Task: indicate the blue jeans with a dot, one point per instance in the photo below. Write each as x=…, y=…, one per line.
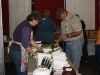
x=16, y=57
x=73, y=51
x=98, y=52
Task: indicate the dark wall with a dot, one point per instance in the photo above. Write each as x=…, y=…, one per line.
x=41, y=5
x=51, y=5
x=5, y=16
x=97, y=24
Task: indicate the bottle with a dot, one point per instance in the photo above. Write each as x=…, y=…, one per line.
x=67, y=69
x=47, y=62
x=44, y=65
x=49, y=65
x=47, y=59
x=66, y=66
x=43, y=60
x=52, y=72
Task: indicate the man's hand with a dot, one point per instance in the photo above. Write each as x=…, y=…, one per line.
x=56, y=44
x=64, y=37
x=39, y=48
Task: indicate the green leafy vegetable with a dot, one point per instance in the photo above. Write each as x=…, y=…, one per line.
x=49, y=45
x=40, y=51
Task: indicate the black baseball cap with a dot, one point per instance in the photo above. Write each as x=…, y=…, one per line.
x=59, y=12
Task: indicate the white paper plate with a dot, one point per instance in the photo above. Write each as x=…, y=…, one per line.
x=37, y=41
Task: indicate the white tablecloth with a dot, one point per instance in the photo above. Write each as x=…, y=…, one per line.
x=32, y=66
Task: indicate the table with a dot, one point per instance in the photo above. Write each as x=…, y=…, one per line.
x=32, y=65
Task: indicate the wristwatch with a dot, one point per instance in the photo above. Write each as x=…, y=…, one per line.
x=67, y=35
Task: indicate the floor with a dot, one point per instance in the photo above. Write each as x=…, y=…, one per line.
x=86, y=68
x=91, y=67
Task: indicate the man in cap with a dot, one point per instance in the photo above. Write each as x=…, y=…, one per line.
x=72, y=34
x=45, y=29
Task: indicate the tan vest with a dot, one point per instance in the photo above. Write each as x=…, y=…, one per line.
x=98, y=37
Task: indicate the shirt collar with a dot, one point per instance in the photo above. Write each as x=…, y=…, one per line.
x=68, y=16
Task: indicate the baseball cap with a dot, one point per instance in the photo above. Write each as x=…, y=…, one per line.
x=59, y=12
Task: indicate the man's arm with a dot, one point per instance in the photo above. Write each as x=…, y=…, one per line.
x=73, y=34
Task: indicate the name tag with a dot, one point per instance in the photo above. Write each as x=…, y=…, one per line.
x=66, y=24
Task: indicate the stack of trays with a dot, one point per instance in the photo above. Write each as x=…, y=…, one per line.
x=57, y=50
x=59, y=60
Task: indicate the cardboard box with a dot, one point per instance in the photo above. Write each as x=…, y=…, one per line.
x=87, y=33
x=93, y=34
